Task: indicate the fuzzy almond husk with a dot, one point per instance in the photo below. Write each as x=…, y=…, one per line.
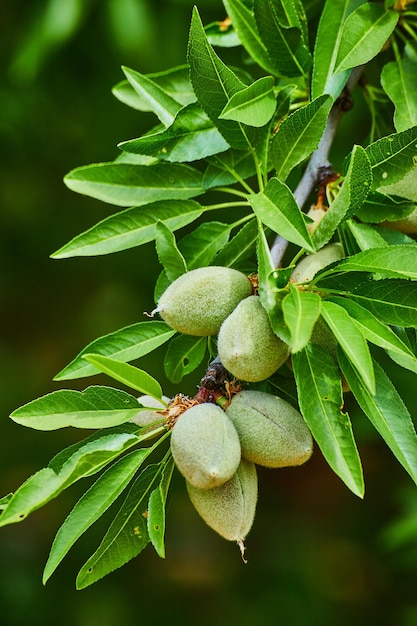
x=305, y=270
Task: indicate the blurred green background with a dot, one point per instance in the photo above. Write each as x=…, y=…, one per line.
x=317, y=555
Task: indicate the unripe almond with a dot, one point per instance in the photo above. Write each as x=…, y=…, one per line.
x=407, y=225
x=305, y=270
x=247, y=346
x=199, y=301
x=205, y=446
x=144, y=418
x=229, y=509
x=272, y=433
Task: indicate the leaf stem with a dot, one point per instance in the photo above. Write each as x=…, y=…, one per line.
x=225, y=205
x=234, y=192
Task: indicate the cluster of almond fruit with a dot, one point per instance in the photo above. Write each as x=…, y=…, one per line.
x=216, y=447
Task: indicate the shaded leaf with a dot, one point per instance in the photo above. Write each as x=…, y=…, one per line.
x=393, y=301
x=157, y=509
x=183, y=356
x=365, y=236
x=379, y=207
x=398, y=79
x=200, y=246
x=239, y=248
x=393, y=157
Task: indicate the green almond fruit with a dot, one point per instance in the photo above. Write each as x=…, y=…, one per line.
x=272, y=433
x=205, y=446
x=247, y=346
x=306, y=269
x=229, y=509
x=199, y=301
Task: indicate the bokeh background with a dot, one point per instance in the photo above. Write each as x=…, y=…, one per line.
x=317, y=555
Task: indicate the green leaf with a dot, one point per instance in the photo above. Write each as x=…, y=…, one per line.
x=244, y=24
x=200, y=247
x=227, y=168
x=91, y=506
x=69, y=466
x=130, y=228
x=351, y=340
x=4, y=501
x=175, y=82
x=214, y=84
x=126, y=374
x=301, y=310
x=320, y=398
x=365, y=236
x=127, y=535
x=281, y=32
x=388, y=414
x=350, y=198
x=364, y=33
x=126, y=344
x=157, y=510
x=254, y=105
x=379, y=207
x=183, y=356
x=158, y=101
x=390, y=261
x=392, y=301
x=190, y=137
x=124, y=184
x=95, y=407
x=393, y=157
x=239, y=248
x=326, y=47
x=168, y=254
x=398, y=79
x=277, y=208
x=299, y=135
x=220, y=34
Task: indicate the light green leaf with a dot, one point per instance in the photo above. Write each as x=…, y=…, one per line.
x=200, y=247
x=298, y=135
x=326, y=47
x=277, y=208
x=126, y=374
x=281, y=32
x=254, y=105
x=350, y=198
x=364, y=33
x=387, y=412
x=158, y=101
x=191, y=137
x=183, y=356
x=168, y=254
x=95, y=407
x=393, y=157
x=157, y=510
x=320, y=398
x=227, y=168
x=392, y=301
x=244, y=24
x=127, y=535
x=79, y=461
x=126, y=344
x=379, y=207
x=239, y=248
x=351, y=340
x=91, y=506
x=398, y=79
x=4, y=501
x=389, y=261
x=124, y=184
x=130, y=228
x=301, y=310
x=365, y=236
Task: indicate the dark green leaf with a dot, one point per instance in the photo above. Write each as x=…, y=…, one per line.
x=239, y=248
x=390, y=261
x=254, y=105
x=398, y=80
x=379, y=207
x=320, y=398
x=126, y=374
x=227, y=168
x=157, y=510
x=392, y=301
x=183, y=356
x=200, y=246
x=301, y=310
x=393, y=157
x=168, y=254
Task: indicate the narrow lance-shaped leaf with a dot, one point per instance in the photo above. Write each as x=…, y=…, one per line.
x=157, y=99
x=389, y=261
x=320, y=398
x=126, y=344
x=239, y=248
x=130, y=228
x=95, y=407
x=301, y=310
x=393, y=157
x=127, y=535
x=329, y=34
x=350, y=198
x=365, y=236
x=298, y=135
x=364, y=33
x=254, y=105
x=168, y=254
x=398, y=80
x=379, y=207
x=387, y=412
x=277, y=208
x=157, y=510
x=79, y=461
x=351, y=340
x=183, y=356
x=200, y=247
x=126, y=374
x=392, y=301
x=124, y=184
x=91, y=506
